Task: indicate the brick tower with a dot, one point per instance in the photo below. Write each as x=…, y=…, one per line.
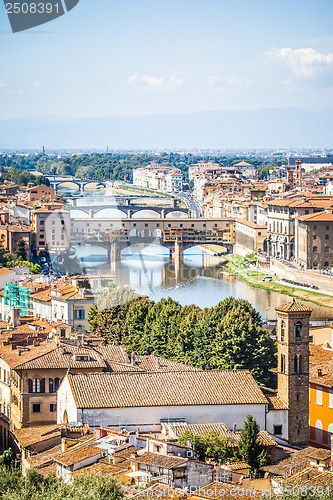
x=298, y=169
x=293, y=367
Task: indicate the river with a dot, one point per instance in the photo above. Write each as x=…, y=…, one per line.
x=197, y=279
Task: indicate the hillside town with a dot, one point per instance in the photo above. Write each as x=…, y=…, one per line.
x=73, y=404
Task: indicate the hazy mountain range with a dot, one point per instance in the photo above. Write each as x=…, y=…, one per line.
x=257, y=128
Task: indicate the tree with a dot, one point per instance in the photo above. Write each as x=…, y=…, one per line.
x=115, y=295
x=7, y=458
x=250, y=449
x=20, y=250
x=240, y=341
x=84, y=284
x=211, y=445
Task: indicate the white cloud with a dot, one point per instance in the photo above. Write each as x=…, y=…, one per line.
x=153, y=82
x=229, y=83
x=15, y=91
x=36, y=85
x=2, y=85
x=303, y=63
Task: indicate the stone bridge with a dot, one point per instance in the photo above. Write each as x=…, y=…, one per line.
x=130, y=210
x=79, y=182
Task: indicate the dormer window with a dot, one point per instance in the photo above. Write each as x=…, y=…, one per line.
x=81, y=357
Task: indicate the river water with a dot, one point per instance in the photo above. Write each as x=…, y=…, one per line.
x=196, y=279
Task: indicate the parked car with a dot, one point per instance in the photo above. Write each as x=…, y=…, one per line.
x=267, y=278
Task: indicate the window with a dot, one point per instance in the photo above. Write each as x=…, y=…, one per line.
x=53, y=407
x=327, y=249
x=326, y=264
x=36, y=408
x=51, y=389
x=79, y=314
x=327, y=236
x=330, y=399
x=283, y=363
x=319, y=396
x=277, y=430
x=327, y=227
x=62, y=332
x=298, y=329
x=314, y=227
x=314, y=237
x=259, y=233
x=314, y=249
x=298, y=363
x=57, y=382
x=37, y=385
x=319, y=431
x=283, y=329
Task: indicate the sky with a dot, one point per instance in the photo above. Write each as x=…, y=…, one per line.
x=131, y=57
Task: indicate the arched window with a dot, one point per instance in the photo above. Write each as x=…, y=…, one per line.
x=30, y=384
x=298, y=363
x=56, y=384
x=283, y=329
x=38, y=385
x=314, y=249
x=283, y=363
x=319, y=431
x=298, y=328
x=330, y=433
x=51, y=385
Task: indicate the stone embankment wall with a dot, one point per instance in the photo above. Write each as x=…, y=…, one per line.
x=308, y=277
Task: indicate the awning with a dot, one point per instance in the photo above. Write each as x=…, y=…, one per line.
x=138, y=473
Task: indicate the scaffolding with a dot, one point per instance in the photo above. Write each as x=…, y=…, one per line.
x=16, y=295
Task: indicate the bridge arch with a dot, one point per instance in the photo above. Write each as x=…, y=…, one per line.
x=177, y=214
x=110, y=213
x=152, y=214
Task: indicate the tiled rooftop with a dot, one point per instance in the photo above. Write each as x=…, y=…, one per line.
x=32, y=435
x=113, y=390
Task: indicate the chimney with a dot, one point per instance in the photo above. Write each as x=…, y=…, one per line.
x=133, y=359
x=63, y=445
x=234, y=427
x=319, y=372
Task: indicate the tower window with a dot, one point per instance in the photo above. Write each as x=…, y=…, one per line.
x=283, y=329
x=298, y=329
x=283, y=363
x=298, y=366
x=277, y=430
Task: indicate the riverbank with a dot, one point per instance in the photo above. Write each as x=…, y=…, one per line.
x=254, y=277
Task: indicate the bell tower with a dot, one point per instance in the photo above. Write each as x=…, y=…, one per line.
x=298, y=169
x=293, y=367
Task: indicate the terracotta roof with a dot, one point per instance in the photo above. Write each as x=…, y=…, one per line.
x=320, y=454
x=250, y=224
x=100, y=467
x=14, y=358
x=312, y=476
x=78, y=452
x=65, y=356
x=44, y=457
x=275, y=403
x=45, y=295
x=225, y=491
x=32, y=435
x=159, y=460
x=317, y=217
x=158, y=490
x=296, y=462
x=237, y=466
x=5, y=270
x=294, y=306
x=152, y=363
x=201, y=429
x=113, y=390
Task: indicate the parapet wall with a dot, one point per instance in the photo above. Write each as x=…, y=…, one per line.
x=308, y=277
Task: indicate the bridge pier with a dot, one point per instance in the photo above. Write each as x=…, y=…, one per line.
x=178, y=250
x=129, y=214
x=113, y=255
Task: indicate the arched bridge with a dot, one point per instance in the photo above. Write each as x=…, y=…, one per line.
x=130, y=210
x=78, y=182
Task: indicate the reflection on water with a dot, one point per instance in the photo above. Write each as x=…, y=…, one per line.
x=195, y=279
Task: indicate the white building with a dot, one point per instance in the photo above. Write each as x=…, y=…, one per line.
x=159, y=178
x=141, y=401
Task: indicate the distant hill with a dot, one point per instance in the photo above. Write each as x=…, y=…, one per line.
x=257, y=128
